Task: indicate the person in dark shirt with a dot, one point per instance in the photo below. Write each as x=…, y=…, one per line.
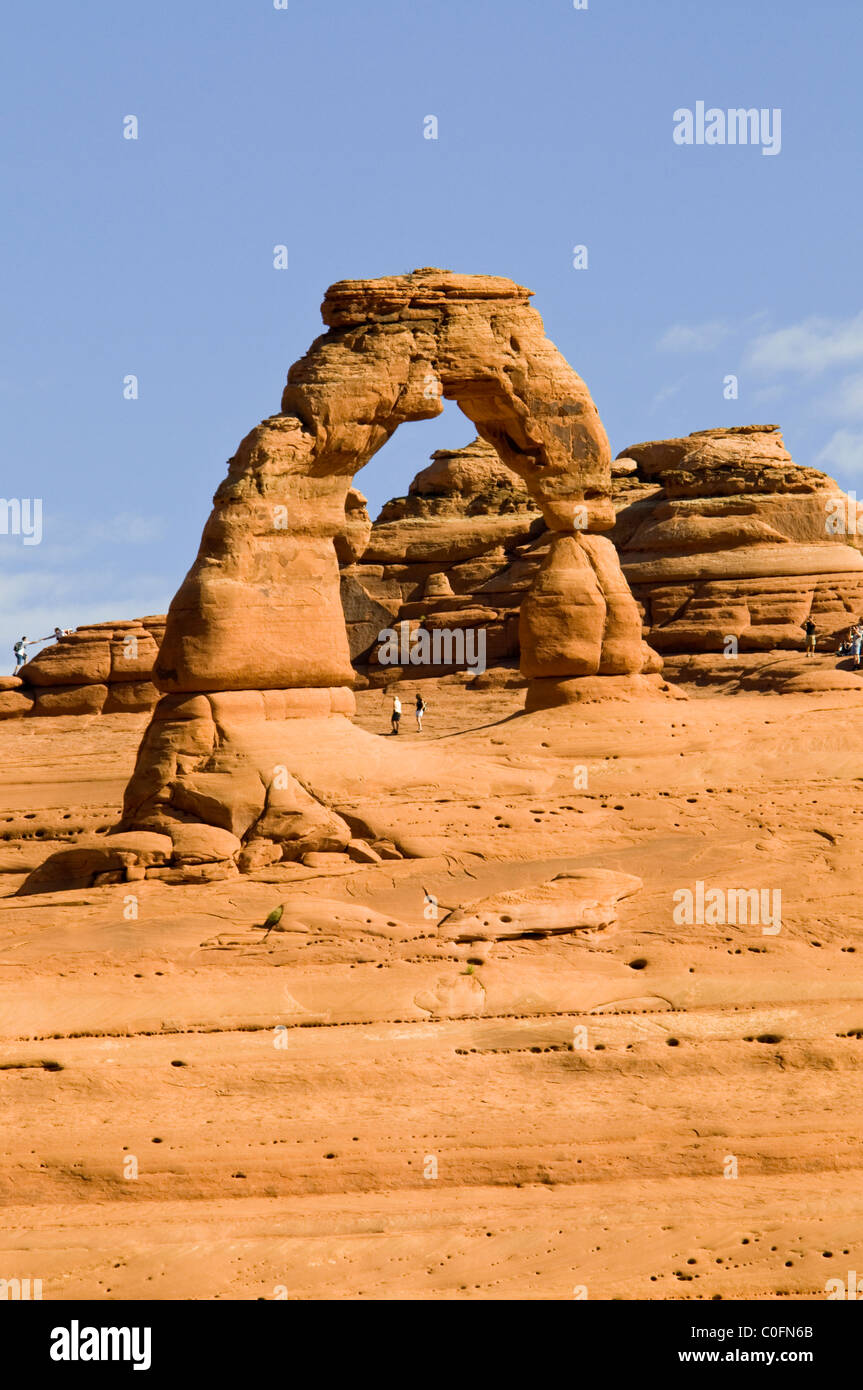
x=811, y=636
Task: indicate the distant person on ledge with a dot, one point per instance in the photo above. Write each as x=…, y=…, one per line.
x=811, y=636
x=20, y=650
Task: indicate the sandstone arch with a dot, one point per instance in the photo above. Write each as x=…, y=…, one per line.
x=255, y=636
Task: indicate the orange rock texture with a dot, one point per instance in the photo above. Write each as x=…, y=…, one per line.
x=728, y=545
x=256, y=635
x=102, y=668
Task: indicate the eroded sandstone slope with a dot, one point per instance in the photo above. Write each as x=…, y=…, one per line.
x=367, y=1105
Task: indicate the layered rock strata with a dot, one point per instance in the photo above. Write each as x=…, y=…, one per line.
x=727, y=544
x=722, y=536
x=102, y=668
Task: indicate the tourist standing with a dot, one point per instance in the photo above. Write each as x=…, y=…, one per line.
x=811, y=636
x=20, y=650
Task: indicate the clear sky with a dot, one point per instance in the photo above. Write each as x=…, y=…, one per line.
x=304, y=126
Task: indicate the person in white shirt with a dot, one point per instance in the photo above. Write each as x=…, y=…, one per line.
x=396, y=714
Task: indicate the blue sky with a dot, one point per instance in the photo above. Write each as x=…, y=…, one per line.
x=304, y=127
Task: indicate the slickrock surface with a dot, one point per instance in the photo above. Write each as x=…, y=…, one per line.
x=359, y=1106
x=561, y=995
x=569, y=902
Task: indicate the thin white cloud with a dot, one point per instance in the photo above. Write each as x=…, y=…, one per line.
x=127, y=528
x=843, y=453
x=70, y=536
x=811, y=346
x=665, y=394
x=35, y=599
x=768, y=395
x=694, y=337
x=845, y=401
x=37, y=621
x=71, y=542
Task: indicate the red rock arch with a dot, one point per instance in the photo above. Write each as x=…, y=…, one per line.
x=260, y=607
x=256, y=631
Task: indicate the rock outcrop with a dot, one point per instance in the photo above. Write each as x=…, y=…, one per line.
x=102, y=668
x=581, y=900
x=722, y=536
x=256, y=635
